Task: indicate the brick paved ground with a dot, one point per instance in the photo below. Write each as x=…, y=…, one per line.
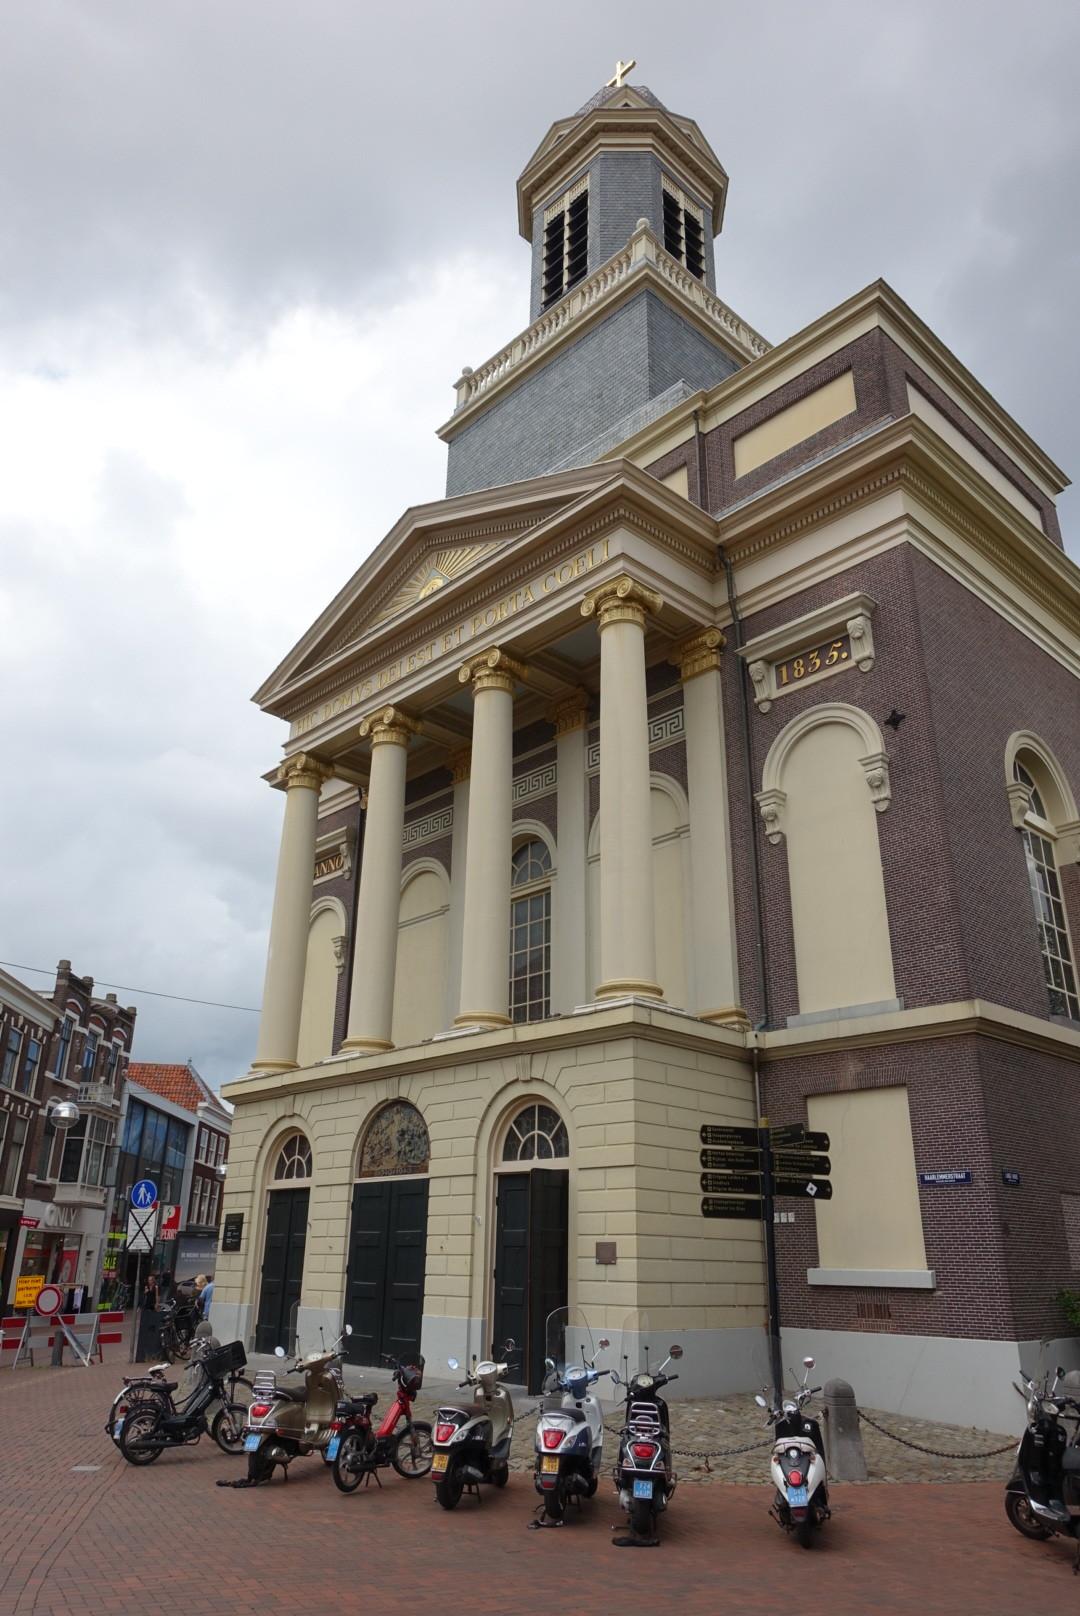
x=118, y=1540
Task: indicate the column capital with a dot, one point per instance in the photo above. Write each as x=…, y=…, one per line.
x=389, y=727
x=697, y=652
x=460, y=765
x=306, y=771
x=492, y=670
x=621, y=600
x=570, y=712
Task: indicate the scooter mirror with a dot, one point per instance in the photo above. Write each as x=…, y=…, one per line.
x=549, y=1364
x=348, y=1329
x=760, y=1401
x=602, y=1343
x=1060, y=1372
x=452, y=1363
x=279, y=1352
x=675, y=1352
x=808, y=1363
x=510, y=1344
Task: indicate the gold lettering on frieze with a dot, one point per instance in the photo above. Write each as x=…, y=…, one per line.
x=470, y=628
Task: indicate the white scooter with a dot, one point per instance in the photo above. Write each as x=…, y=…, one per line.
x=570, y=1430
x=472, y=1444
x=797, y=1464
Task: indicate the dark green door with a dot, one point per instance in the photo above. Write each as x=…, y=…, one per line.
x=531, y=1232
x=283, y=1268
x=384, y=1284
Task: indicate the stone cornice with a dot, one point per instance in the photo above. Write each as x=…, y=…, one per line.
x=962, y=1018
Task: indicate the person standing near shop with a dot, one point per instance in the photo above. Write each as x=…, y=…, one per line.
x=206, y=1297
x=150, y=1294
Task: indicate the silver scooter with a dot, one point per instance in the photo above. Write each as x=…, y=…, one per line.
x=472, y=1441
x=797, y=1464
x=570, y=1430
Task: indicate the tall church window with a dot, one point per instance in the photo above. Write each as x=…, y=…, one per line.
x=294, y=1159
x=566, y=243
x=537, y=1133
x=684, y=229
x=1038, y=835
x=530, y=932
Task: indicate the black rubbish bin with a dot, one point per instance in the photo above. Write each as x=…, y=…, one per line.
x=148, y=1345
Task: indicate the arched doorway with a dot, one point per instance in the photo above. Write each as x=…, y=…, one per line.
x=384, y=1281
x=286, y=1239
x=532, y=1212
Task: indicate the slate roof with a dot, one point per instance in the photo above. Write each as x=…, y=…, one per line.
x=610, y=90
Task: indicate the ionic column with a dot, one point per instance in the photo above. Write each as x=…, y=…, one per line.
x=485, y=955
x=716, y=991
x=459, y=765
x=627, y=921
x=286, y=957
x=371, y=1001
x=569, y=985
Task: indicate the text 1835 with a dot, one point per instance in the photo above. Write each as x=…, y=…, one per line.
x=819, y=659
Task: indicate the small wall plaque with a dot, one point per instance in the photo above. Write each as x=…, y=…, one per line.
x=1009, y=1177
x=953, y=1175
x=232, y=1231
x=605, y=1253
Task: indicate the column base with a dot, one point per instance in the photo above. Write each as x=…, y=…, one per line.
x=274, y=1066
x=365, y=1046
x=488, y=1020
x=625, y=987
x=734, y=1016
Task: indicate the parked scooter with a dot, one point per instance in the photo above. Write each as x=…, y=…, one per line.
x=1042, y=1496
x=644, y=1476
x=357, y=1452
x=283, y=1424
x=797, y=1464
x=153, y=1422
x=570, y=1430
x=472, y=1443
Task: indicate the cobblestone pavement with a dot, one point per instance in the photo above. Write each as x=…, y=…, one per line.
x=84, y=1534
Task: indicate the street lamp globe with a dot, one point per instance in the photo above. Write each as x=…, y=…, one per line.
x=63, y=1114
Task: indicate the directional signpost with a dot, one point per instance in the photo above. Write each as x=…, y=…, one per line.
x=141, y=1234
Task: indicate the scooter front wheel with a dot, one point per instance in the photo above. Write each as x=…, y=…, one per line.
x=449, y=1490
x=140, y=1441
x=413, y=1451
x=1018, y=1509
x=227, y=1429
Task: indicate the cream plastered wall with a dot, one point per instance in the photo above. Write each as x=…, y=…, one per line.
x=422, y=951
x=633, y=1104
x=922, y=407
x=843, y=955
x=873, y=1221
x=679, y=480
x=320, y=984
x=799, y=421
x=671, y=886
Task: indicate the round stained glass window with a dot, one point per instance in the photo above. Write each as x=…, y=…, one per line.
x=294, y=1161
x=536, y=1134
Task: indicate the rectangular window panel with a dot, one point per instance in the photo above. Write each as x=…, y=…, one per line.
x=71, y=1157
x=1058, y=968
x=530, y=957
x=63, y=1045
x=1070, y=1211
x=16, y=1144
x=12, y=1048
x=30, y=1062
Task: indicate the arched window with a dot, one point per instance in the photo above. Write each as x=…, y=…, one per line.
x=294, y=1159
x=537, y=1133
x=395, y=1143
x=530, y=932
x=1040, y=835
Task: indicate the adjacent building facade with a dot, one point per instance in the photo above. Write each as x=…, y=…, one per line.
x=725, y=712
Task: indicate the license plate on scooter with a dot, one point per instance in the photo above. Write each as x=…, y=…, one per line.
x=642, y=1489
x=117, y=1428
x=798, y=1497
x=251, y=1443
x=549, y=1464
x=332, y=1447
x=438, y=1463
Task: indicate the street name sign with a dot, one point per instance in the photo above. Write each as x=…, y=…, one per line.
x=716, y=1135
x=815, y=1188
x=731, y=1184
x=736, y=1207
x=731, y=1161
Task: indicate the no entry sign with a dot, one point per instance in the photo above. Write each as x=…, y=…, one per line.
x=49, y=1300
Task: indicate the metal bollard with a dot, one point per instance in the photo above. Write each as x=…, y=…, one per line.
x=844, y=1454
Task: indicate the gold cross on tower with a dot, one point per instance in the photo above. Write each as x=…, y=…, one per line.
x=621, y=70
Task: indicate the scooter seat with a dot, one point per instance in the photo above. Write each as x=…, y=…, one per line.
x=1070, y=1459
x=284, y=1395
x=354, y=1405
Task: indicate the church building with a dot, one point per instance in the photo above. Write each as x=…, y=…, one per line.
x=710, y=751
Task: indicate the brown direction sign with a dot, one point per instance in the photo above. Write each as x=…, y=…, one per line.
x=795, y=1165
x=735, y=1207
x=814, y=1188
x=712, y=1134
x=732, y=1161
x=796, y=1137
x=731, y=1183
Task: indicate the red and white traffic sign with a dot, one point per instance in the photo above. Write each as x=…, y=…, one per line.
x=50, y=1299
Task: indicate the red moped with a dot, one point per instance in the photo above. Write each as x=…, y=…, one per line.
x=357, y=1451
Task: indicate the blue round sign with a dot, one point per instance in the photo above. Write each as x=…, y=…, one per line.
x=143, y=1194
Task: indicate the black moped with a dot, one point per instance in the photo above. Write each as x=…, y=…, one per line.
x=154, y=1424
x=1042, y=1496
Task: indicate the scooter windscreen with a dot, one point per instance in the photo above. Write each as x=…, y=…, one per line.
x=572, y=1350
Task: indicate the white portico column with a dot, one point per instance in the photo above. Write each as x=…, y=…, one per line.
x=371, y=1002
x=569, y=985
x=286, y=958
x=627, y=921
x=716, y=989
x=485, y=953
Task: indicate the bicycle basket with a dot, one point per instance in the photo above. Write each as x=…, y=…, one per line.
x=224, y=1360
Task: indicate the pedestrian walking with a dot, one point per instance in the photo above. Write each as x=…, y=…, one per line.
x=206, y=1297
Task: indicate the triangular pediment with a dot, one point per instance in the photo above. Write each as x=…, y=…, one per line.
x=434, y=550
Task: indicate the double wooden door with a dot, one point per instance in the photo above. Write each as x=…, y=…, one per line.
x=531, y=1234
x=283, y=1268
x=384, y=1285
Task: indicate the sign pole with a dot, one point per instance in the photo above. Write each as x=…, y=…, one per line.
x=769, y=1229
x=137, y=1310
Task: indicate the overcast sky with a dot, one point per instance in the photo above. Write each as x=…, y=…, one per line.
x=245, y=249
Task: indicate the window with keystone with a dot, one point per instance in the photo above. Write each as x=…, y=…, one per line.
x=294, y=1159
x=537, y=1133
